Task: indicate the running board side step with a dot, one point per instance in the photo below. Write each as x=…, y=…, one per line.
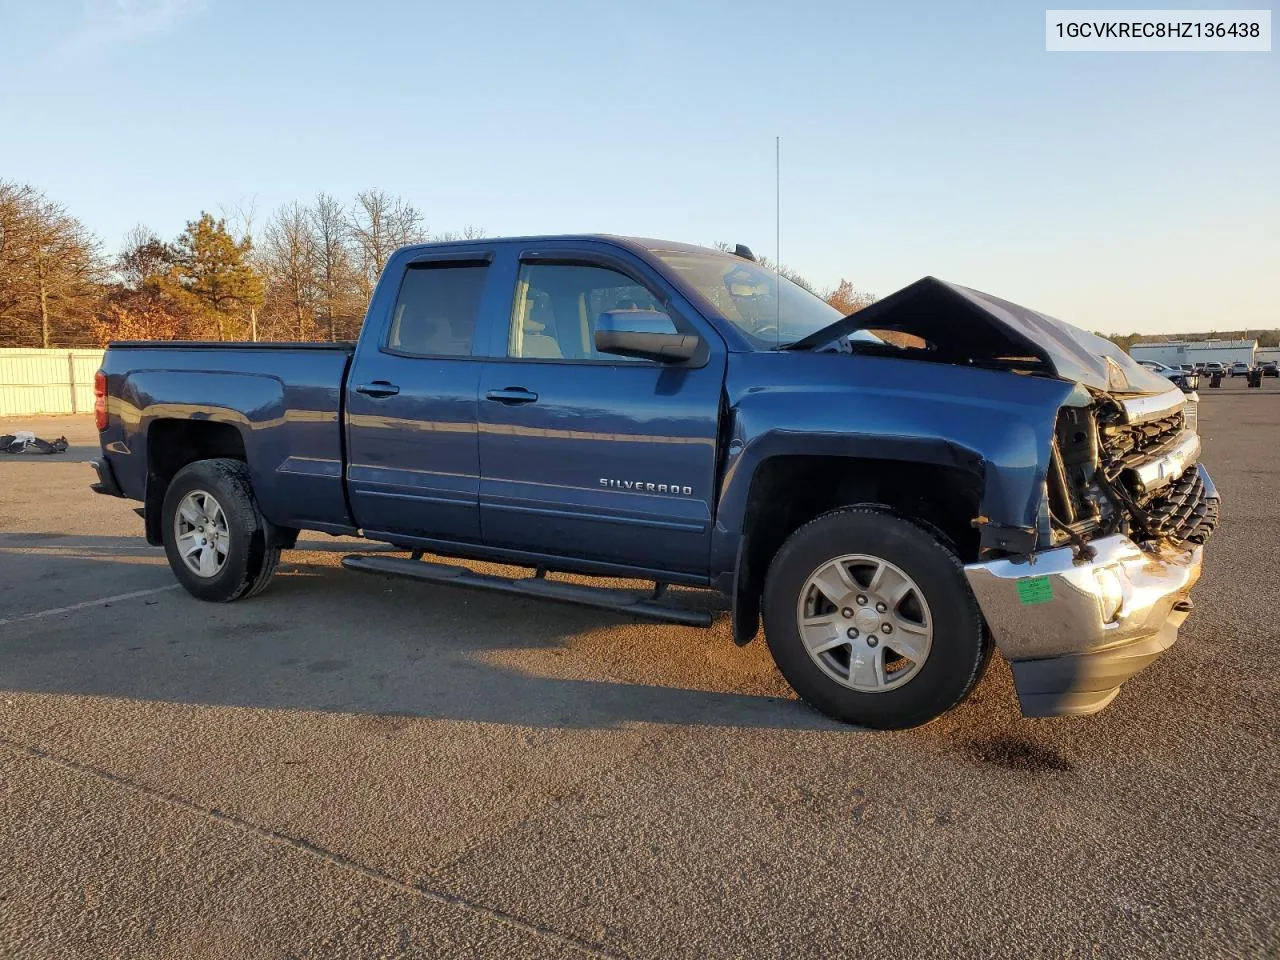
x=535, y=586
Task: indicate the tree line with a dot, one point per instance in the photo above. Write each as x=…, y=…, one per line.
x=307, y=274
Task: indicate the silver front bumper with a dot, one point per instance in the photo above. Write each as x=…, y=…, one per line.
x=1074, y=630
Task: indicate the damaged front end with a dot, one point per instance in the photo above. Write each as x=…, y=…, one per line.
x=1096, y=588
x=1130, y=507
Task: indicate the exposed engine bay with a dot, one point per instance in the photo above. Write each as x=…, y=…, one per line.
x=1117, y=468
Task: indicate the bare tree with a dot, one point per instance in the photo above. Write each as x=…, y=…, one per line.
x=405, y=221
x=240, y=217
x=379, y=224
x=50, y=268
x=335, y=272
x=289, y=262
x=143, y=258
x=469, y=232
x=16, y=239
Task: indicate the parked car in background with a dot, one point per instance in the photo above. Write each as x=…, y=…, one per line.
x=1271, y=368
x=1240, y=369
x=1187, y=381
x=1212, y=367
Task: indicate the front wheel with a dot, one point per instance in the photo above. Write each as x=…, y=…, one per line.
x=219, y=546
x=870, y=619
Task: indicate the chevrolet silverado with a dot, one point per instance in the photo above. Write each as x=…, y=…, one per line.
x=891, y=493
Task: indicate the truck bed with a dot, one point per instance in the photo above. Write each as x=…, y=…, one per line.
x=281, y=401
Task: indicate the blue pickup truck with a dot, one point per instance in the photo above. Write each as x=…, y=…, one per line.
x=890, y=493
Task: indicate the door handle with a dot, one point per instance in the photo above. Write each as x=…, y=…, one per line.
x=512, y=395
x=378, y=388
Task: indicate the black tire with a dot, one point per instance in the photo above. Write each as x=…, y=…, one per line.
x=251, y=557
x=960, y=647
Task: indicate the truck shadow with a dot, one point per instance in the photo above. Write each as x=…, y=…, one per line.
x=324, y=639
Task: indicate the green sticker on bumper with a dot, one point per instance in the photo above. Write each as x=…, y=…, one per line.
x=1035, y=590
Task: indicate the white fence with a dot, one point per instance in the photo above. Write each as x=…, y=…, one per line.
x=47, y=381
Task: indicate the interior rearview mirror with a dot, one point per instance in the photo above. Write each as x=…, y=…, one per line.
x=745, y=284
x=646, y=334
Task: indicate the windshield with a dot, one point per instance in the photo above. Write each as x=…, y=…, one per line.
x=747, y=295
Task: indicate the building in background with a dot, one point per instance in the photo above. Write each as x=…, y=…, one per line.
x=1267, y=355
x=1174, y=352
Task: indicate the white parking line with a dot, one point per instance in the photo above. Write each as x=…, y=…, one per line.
x=88, y=603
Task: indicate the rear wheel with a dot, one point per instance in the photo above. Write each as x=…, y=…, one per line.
x=218, y=544
x=870, y=619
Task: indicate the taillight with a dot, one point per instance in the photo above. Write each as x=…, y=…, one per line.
x=100, y=400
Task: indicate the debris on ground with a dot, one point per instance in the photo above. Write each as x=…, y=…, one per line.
x=24, y=441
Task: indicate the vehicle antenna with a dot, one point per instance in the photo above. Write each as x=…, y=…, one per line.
x=777, y=241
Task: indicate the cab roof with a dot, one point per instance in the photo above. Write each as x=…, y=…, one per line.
x=637, y=244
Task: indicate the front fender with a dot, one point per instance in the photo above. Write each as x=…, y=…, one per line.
x=994, y=424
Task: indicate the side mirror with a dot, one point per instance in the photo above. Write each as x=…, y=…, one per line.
x=645, y=334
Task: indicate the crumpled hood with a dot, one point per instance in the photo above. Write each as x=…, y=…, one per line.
x=967, y=326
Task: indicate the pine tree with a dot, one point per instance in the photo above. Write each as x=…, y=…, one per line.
x=212, y=277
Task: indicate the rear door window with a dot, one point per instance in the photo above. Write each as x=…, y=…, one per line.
x=436, y=310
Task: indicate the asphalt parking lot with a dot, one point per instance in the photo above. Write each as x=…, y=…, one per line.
x=352, y=766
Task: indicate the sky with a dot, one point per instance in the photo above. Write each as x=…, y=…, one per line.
x=1121, y=192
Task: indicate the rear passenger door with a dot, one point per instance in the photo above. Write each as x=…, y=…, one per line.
x=589, y=455
x=412, y=455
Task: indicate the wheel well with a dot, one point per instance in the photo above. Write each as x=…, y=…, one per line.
x=171, y=445
x=788, y=492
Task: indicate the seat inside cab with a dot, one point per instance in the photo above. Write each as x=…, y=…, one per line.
x=557, y=307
